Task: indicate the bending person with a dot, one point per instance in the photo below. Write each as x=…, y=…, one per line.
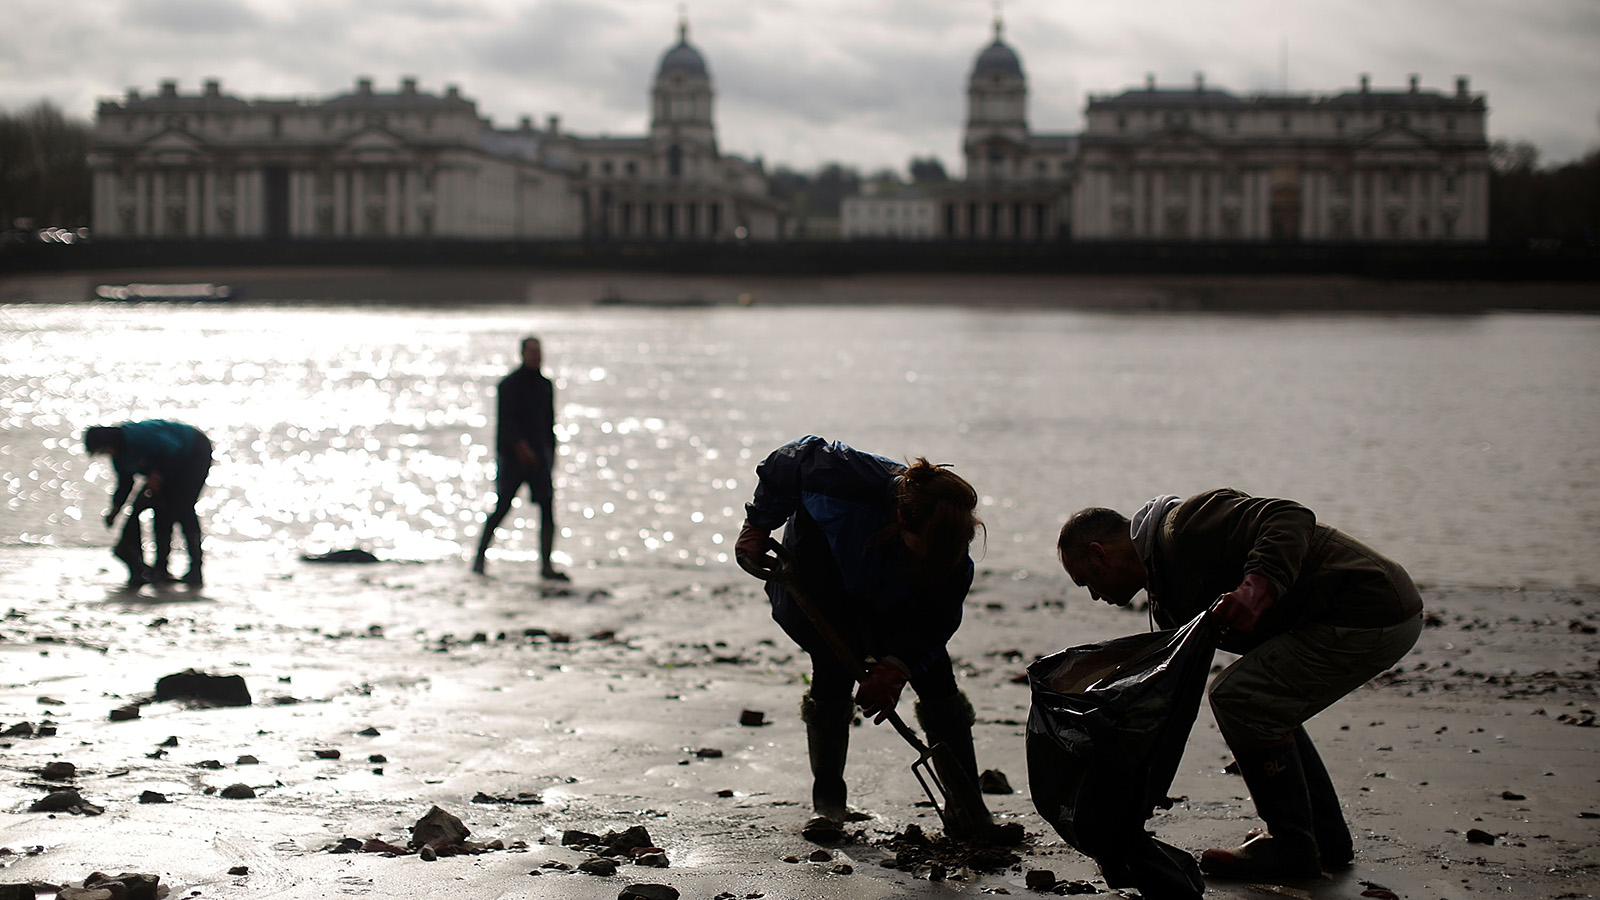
x=1315, y=614
x=881, y=553
x=175, y=460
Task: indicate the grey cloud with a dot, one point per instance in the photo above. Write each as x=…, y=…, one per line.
x=191, y=17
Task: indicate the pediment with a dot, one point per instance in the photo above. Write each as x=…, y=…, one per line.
x=173, y=147
x=375, y=145
x=1393, y=137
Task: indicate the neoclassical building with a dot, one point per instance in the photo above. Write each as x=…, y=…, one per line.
x=371, y=164
x=1203, y=164
x=1017, y=184
x=1197, y=164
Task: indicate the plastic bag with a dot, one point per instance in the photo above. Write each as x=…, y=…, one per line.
x=1105, y=735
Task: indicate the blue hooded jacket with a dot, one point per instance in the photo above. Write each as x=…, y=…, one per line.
x=834, y=494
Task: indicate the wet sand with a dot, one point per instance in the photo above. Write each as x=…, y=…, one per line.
x=596, y=697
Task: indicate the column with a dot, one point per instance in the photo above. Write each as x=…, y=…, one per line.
x=392, y=202
x=341, y=210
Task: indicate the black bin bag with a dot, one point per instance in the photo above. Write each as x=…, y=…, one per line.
x=1105, y=735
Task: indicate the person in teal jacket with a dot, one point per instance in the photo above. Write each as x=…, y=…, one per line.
x=174, y=460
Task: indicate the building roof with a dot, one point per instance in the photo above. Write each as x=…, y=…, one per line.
x=1201, y=97
x=998, y=58
x=683, y=58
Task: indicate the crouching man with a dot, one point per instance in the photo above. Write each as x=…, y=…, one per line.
x=1314, y=614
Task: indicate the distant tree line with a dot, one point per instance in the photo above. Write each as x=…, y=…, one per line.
x=1556, y=206
x=44, y=168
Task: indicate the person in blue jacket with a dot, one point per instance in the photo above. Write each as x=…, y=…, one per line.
x=174, y=459
x=881, y=553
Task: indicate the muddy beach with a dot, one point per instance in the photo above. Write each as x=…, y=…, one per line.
x=530, y=712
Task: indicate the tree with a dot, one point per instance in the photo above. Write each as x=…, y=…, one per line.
x=928, y=169
x=44, y=167
x=1553, y=206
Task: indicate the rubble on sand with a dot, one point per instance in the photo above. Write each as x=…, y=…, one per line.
x=934, y=857
x=203, y=689
x=436, y=834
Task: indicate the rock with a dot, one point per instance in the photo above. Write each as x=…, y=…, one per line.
x=708, y=753
x=843, y=869
x=247, y=760
x=598, y=865
x=47, y=729
x=1479, y=836
x=656, y=860
x=58, y=801
x=16, y=892
x=820, y=856
x=346, y=845
x=152, y=797
x=203, y=689
x=327, y=754
x=124, y=713
x=353, y=556
x=72, y=893
x=725, y=793
x=575, y=838
x=625, y=841
x=239, y=870
x=427, y=854
x=1511, y=795
x=994, y=781
x=133, y=885
x=209, y=764
x=1039, y=879
x=238, y=792
x=648, y=892
x=369, y=731
x=377, y=759
x=752, y=718
x=21, y=729
x=438, y=828
x=59, y=771
x=375, y=845
x=170, y=742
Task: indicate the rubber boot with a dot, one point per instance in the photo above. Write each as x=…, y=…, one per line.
x=1327, y=819
x=828, y=744
x=1288, y=849
x=481, y=561
x=130, y=549
x=159, y=572
x=948, y=723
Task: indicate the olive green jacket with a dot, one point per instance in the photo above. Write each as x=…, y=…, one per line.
x=1209, y=542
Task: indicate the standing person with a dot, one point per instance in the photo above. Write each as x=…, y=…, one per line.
x=881, y=551
x=525, y=453
x=174, y=459
x=1315, y=614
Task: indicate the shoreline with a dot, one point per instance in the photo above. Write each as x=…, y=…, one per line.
x=598, y=697
x=478, y=285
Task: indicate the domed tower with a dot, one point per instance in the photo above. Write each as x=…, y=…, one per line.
x=997, y=109
x=680, y=123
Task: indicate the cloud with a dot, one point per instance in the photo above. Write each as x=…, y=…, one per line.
x=183, y=18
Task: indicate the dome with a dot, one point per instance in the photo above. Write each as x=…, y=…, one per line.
x=997, y=59
x=683, y=58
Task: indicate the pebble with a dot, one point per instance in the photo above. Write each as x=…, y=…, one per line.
x=752, y=718
x=648, y=892
x=247, y=760
x=152, y=797
x=239, y=870
x=1479, y=836
x=326, y=754
x=598, y=865
x=1039, y=879
x=994, y=781
x=124, y=713
x=59, y=771
x=238, y=792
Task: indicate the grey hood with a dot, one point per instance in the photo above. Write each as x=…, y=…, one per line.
x=1147, y=521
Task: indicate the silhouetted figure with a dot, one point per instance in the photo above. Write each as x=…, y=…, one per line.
x=174, y=459
x=1314, y=613
x=881, y=553
x=525, y=453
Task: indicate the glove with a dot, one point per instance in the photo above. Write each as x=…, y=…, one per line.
x=111, y=517
x=881, y=690
x=1244, y=606
x=750, y=549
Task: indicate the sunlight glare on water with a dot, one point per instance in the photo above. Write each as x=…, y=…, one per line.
x=1466, y=447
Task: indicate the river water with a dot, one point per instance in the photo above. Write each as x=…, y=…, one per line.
x=1466, y=447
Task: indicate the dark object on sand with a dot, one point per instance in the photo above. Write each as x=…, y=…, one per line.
x=1479, y=836
x=752, y=718
x=994, y=781
x=238, y=792
x=438, y=829
x=129, y=885
x=648, y=892
x=355, y=556
x=1105, y=734
x=125, y=713
x=17, y=892
x=58, y=771
x=203, y=689
x=68, y=801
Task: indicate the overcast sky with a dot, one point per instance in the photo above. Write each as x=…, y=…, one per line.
x=799, y=82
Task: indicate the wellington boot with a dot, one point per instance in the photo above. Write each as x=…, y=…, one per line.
x=1288, y=851
x=1327, y=819
x=827, y=745
x=948, y=723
